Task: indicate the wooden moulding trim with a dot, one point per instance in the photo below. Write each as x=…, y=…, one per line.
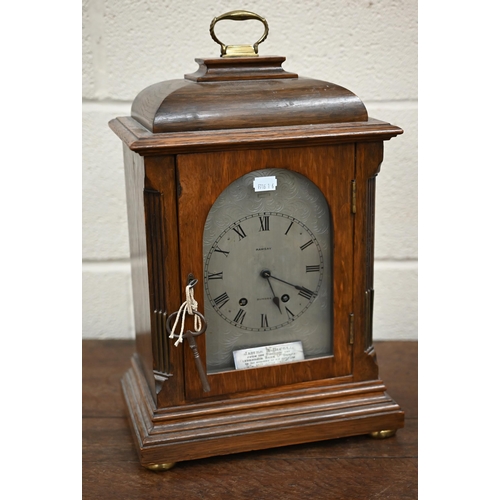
x=256, y=428
x=140, y=425
x=144, y=142
x=248, y=439
x=241, y=68
x=265, y=418
x=272, y=399
x=140, y=388
x=311, y=399
x=231, y=426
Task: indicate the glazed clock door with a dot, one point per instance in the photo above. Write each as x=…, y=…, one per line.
x=267, y=247
x=269, y=235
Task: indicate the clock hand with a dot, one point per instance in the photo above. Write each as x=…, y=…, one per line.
x=276, y=300
x=267, y=274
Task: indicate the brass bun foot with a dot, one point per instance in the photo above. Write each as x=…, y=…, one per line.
x=160, y=467
x=383, y=434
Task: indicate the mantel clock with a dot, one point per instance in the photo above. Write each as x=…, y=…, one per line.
x=250, y=196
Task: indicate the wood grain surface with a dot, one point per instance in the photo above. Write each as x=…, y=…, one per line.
x=348, y=468
x=141, y=140
x=243, y=92
x=332, y=168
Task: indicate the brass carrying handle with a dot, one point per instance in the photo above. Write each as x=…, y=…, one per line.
x=239, y=50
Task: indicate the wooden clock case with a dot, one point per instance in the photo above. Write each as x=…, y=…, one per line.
x=185, y=141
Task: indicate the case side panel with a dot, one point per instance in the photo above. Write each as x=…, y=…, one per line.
x=369, y=263
x=165, y=282
x=369, y=157
x=134, y=182
x=156, y=248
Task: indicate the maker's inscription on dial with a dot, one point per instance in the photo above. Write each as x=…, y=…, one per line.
x=268, y=355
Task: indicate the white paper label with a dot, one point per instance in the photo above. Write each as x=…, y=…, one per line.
x=255, y=357
x=265, y=184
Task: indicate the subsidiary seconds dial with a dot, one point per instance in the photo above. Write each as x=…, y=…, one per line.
x=263, y=271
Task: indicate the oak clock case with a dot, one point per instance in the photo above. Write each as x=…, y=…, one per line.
x=256, y=187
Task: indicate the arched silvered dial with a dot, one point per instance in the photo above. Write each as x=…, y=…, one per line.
x=267, y=268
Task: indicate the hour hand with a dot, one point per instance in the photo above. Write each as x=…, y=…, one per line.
x=276, y=299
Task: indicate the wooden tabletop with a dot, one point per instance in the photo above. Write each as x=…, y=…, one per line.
x=343, y=469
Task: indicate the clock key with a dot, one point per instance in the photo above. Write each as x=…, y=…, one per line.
x=190, y=336
x=197, y=360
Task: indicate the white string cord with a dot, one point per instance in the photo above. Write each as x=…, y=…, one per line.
x=190, y=306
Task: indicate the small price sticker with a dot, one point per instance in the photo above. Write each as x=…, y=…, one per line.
x=265, y=184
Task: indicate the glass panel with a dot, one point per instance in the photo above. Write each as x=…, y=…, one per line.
x=268, y=271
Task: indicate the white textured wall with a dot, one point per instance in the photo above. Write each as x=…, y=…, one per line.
x=368, y=46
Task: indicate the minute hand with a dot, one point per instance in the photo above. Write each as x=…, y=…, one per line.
x=297, y=287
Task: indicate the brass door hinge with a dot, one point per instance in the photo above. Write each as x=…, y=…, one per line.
x=353, y=196
x=351, y=328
